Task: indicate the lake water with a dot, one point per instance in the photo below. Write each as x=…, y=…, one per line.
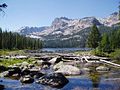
x=64, y=49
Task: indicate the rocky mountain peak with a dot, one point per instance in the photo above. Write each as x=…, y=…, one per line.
x=90, y=21
x=60, y=22
x=111, y=20
x=65, y=26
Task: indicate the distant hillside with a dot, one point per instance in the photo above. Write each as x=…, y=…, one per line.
x=66, y=32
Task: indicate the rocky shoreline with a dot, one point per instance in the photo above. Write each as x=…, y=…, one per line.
x=51, y=70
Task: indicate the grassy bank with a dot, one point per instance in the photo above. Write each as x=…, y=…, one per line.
x=115, y=55
x=12, y=52
x=8, y=62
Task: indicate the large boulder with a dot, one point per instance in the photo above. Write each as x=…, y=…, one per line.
x=58, y=65
x=102, y=68
x=12, y=70
x=56, y=80
x=69, y=70
x=26, y=79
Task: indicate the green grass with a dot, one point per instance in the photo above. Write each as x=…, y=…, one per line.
x=115, y=55
x=8, y=62
x=11, y=52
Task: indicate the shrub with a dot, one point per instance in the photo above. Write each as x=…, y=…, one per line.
x=115, y=55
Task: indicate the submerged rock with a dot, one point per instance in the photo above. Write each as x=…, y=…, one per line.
x=27, y=79
x=56, y=80
x=2, y=87
x=102, y=68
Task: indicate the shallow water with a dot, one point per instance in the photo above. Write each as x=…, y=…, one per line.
x=75, y=83
x=87, y=81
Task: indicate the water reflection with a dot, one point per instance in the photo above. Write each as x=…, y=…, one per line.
x=92, y=81
x=95, y=78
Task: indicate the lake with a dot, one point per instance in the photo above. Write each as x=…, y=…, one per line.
x=64, y=49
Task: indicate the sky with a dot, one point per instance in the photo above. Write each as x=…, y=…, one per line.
x=37, y=13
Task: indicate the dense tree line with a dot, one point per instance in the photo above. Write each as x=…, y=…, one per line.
x=110, y=42
x=105, y=43
x=9, y=40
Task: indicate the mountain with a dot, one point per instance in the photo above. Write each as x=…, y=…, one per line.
x=65, y=32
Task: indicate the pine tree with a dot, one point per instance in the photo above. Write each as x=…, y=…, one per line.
x=105, y=43
x=93, y=38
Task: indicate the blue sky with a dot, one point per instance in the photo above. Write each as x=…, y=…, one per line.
x=36, y=13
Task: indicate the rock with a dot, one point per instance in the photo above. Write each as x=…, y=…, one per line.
x=58, y=65
x=16, y=75
x=25, y=64
x=69, y=70
x=27, y=79
x=11, y=71
x=102, y=68
x=86, y=69
x=2, y=87
x=56, y=80
x=34, y=71
x=1, y=80
x=38, y=75
x=39, y=62
x=45, y=67
x=91, y=64
x=2, y=68
x=30, y=65
x=46, y=64
x=4, y=74
x=55, y=60
x=25, y=71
